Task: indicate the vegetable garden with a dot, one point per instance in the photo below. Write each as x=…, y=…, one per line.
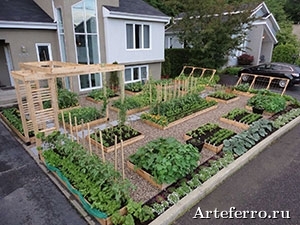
x=127, y=170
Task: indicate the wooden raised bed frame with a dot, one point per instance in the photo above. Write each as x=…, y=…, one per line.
x=148, y=177
x=208, y=146
x=118, y=146
x=131, y=111
x=247, y=94
x=235, y=123
x=101, y=101
x=222, y=100
x=180, y=120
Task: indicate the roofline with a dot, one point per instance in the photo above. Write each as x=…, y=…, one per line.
x=269, y=30
x=133, y=16
x=27, y=25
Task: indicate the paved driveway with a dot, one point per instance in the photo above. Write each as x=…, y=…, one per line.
x=27, y=195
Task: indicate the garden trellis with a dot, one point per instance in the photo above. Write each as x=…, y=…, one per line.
x=36, y=82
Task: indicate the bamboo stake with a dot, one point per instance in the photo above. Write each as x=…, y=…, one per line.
x=76, y=130
x=150, y=92
x=165, y=93
x=122, y=155
x=63, y=121
x=82, y=132
x=116, y=155
x=90, y=144
x=71, y=127
x=102, y=147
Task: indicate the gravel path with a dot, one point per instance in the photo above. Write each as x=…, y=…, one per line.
x=145, y=190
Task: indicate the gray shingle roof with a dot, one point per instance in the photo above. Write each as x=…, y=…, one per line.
x=22, y=11
x=136, y=7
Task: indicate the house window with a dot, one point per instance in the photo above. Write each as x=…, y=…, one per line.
x=86, y=41
x=43, y=51
x=136, y=73
x=137, y=36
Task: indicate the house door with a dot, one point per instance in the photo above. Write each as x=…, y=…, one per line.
x=5, y=65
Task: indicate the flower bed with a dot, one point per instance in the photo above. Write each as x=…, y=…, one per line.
x=170, y=113
x=212, y=135
x=165, y=159
x=222, y=97
x=122, y=132
x=240, y=118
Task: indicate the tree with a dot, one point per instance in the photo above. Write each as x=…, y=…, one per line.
x=292, y=9
x=214, y=27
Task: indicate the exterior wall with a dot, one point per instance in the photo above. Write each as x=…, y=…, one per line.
x=254, y=46
x=28, y=38
x=155, y=71
x=172, y=41
x=115, y=42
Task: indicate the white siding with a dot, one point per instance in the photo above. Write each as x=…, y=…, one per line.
x=115, y=41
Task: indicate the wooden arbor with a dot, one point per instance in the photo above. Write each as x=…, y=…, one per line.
x=35, y=83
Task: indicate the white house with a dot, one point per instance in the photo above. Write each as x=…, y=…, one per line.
x=129, y=32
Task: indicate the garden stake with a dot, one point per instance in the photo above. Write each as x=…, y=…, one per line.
x=64, y=124
x=102, y=147
x=116, y=155
x=122, y=155
x=90, y=144
x=82, y=132
x=71, y=127
x=76, y=130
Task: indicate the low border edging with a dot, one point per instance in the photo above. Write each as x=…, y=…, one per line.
x=207, y=187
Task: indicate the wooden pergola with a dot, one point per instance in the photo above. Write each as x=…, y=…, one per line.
x=35, y=83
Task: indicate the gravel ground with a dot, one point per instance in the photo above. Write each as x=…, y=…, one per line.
x=145, y=190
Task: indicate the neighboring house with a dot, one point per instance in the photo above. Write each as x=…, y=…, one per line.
x=259, y=42
x=130, y=32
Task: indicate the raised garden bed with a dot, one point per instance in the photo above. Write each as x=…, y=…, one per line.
x=134, y=88
x=122, y=132
x=83, y=115
x=170, y=113
x=212, y=135
x=240, y=118
x=133, y=104
x=222, y=97
x=97, y=96
x=79, y=170
x=165, y=160
x=12, y=118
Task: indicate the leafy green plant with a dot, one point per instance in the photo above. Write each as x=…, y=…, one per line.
x=166, y=159
x=222, y=95
x=270, y=102
x=134, y=87
x=99, y=95
x=242, y=116
x=242, y=142
x=286, y=118
x=13, y=116
x=85, y=114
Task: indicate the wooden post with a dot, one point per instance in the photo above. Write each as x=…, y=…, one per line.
x=116, y=154
x=122, y=160
x=102, y=147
